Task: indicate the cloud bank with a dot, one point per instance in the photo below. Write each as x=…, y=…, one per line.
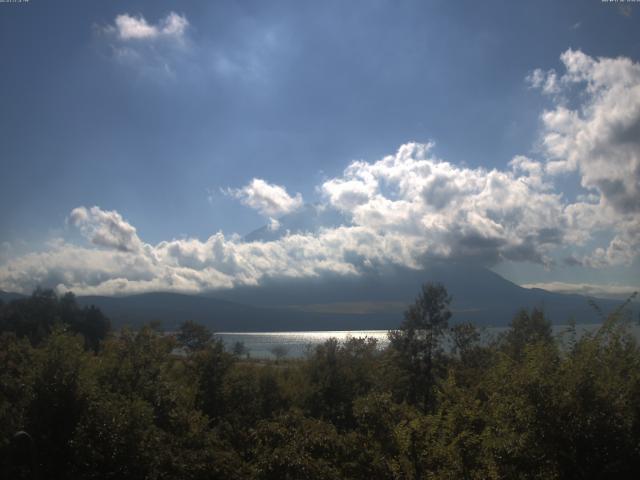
x=588, y=289
x=404, y=209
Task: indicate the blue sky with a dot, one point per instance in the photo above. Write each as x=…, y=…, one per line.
x=163, y=113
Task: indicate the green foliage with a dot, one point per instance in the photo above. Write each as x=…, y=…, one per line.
x=239, y=349
x=383, y=427
x=211, y=365
x=252, y=394
x=523, y=406
x=465, y=340
x=16, y=388
x=35, y=317
x=337, y=375
x=32, y=318
x=58, y=399
x=600, y=384
x=526, y=329
x=417, y=345
x=194, y=336
x=293, y=447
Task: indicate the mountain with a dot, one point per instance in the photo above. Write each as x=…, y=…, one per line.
x=479, y=295
x=374, y=300
x=6, y=297
x=371, y=301
x=171, y=309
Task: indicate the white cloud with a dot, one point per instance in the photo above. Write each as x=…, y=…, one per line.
x=268, y=199
x=128, y=27
x=105, y=228
x=587, y=289
x=274, y=225
x=490, y=215
x=174, y=25
x=623, y=248
x=156, y=52
x=546, y=81
x=416, y=207
x=131, y=27
x=600, y=140
x=453, y=212
x=402, y=209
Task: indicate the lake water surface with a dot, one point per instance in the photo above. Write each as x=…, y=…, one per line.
x=297, y=344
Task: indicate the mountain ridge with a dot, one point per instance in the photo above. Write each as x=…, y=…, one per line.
x=370, y=301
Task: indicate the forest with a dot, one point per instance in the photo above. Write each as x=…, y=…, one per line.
x=79, y=400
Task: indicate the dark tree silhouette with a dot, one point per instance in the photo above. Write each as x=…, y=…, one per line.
x=279, y=351
x=35, y=317
x=194, y=336
x=239, y=349
x=526, y=329
x=417, y=343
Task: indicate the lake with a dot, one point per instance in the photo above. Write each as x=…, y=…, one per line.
x=259, y=344
x=297, y=344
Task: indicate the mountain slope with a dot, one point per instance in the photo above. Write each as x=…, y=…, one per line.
x=6, y=297
x=479, y=295
x=171, y=309
x=370, y=301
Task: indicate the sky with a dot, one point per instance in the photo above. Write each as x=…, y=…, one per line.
x=141, y=141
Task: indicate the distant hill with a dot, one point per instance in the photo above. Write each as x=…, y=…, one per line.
x=171, y=309
x=479, y=295
x=371, y=301
x=6, y=297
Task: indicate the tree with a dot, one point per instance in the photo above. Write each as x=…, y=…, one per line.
x=279, y=351
x=16, y=379
x=337, y=375
x=32, y=317
x=58, y=400
x=417, y=343
x=239, y=349
x=526, y=329
x=465, y=337
x=292, y=446
x=194, y=336
x=212, y=365
x=36, y=316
